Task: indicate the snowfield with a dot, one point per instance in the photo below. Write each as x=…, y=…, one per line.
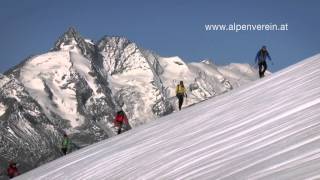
x=268, y=129
x=49, y=74
x=3, y=109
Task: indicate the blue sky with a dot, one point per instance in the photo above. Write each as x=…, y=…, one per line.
x=168, y=27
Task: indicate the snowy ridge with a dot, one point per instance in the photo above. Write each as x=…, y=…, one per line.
x=268, y=129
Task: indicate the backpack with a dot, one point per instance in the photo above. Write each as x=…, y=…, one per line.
x=119, y=118
x=180, y=89
x=65, y=142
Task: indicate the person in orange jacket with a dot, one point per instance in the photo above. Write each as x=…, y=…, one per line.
x=120, y=119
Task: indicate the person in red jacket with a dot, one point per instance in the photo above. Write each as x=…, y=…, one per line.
x=119, y=120
x=12, y=170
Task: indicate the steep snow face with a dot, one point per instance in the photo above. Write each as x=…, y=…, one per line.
x=27, y=136
x=3, y=109
x=175, y=69
x=239, y=73
x=66, y=86
x=239, y=135
x=144, y=83
x=49, y=80
x=133, y=80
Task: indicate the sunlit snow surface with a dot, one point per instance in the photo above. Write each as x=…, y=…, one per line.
x=3, y=109
x=53, y=70
x=268, y=129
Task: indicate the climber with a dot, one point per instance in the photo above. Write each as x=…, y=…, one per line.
x=261, y=58
x=65, y=144
x=120, y=120
x=12, y=170
x=181, y=93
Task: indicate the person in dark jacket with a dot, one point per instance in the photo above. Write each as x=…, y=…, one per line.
x=12, y=170
x=180, y=93
x=261, y=58
x=120, y=120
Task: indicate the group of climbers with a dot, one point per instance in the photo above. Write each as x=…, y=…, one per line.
x=12, y=170
x=121, y=119
x=260, y=60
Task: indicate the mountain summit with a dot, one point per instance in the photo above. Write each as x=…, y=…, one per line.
x=72, y=40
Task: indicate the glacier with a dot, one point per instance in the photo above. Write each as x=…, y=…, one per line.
x=267, y=129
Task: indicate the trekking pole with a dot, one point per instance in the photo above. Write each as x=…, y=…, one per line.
x=186, y=99
x=254, y=65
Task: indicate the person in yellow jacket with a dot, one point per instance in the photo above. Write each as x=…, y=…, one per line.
x=180, y=93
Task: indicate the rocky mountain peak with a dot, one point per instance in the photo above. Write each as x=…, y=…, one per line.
x=70, y=37
x=113, y=41
x=72, y=40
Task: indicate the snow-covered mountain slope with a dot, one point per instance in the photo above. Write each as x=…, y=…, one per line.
x=144, y=83
x=66, y=85
x=42, y=75
x=268, y=129
x=51, y=94
x=133, y=80
x=79, y=85
x=204, y=79
x=26, y=134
